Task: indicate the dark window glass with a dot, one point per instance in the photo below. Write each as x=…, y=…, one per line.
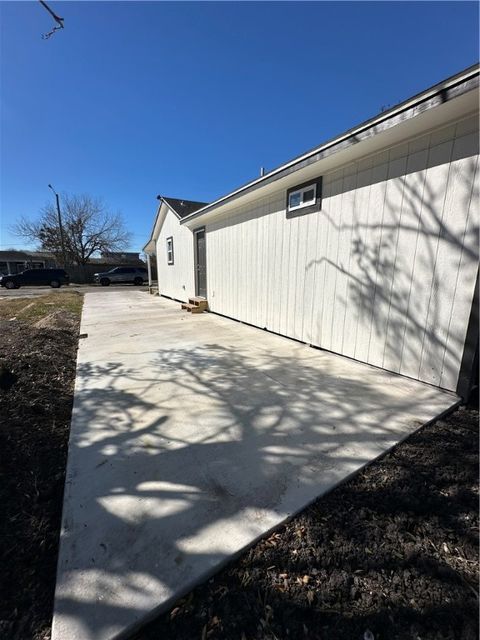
x=308, y=195
x=170, y=250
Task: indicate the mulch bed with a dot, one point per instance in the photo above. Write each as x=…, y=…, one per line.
x=37, y=372
x=391, y=554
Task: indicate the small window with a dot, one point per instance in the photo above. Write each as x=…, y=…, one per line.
x=304, y=198
x=170, y=250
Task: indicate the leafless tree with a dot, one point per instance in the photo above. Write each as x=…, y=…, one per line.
x=88, y=228
x=57, y=19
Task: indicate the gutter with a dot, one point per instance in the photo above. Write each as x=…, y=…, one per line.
x=440, y=93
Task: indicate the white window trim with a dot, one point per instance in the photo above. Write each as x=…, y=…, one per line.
x=170, y=250
x=302, y=191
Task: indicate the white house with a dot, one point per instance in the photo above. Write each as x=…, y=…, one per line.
x=366, y=246
x=173, y=246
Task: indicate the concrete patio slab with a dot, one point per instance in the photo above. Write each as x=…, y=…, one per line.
x=191, y=437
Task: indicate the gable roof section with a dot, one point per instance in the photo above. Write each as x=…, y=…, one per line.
x=181, y=208
x=438, y=94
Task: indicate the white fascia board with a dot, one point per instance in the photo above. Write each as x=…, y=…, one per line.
x=149, y=248
x=372, y=125
x=157, y=225
x=159, y=220
x=454, y=110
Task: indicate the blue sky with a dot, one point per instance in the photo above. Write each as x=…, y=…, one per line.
x=189, y=100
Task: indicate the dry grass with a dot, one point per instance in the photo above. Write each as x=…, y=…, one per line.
x=30, y=310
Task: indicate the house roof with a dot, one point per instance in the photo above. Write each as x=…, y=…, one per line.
x=118, y=262
x=436, y=95
x=183, y=208
x=24, y=256
x=42, y=254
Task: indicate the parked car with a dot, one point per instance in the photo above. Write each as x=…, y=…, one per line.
x=135, y=275
x=36, y=277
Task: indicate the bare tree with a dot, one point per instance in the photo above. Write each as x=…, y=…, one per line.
x=57, y=19
x=88, y=228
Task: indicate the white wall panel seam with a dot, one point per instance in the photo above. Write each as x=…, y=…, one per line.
x=414, y=260
x=474, y=181
x=394, y=268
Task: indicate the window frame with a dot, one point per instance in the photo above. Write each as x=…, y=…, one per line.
x=311, y=205
x=170, y=258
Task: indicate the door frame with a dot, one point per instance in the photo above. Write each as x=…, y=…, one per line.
x=195, y=259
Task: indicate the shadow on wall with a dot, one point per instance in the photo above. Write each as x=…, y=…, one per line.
x=195, y=474
x=406, y=274
x=384, y=273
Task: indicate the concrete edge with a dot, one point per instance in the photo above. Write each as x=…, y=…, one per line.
x=126, y=634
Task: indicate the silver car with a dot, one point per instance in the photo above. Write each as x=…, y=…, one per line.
x=133, y=275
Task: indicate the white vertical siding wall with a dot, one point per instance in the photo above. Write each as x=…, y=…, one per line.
x=384, y=273
x=175, y=280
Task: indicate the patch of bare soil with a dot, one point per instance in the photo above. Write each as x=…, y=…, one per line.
x=59, y=319
x=37, y=373
x=390, y=555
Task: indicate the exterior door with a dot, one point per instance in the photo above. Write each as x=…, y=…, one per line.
x=200, y=263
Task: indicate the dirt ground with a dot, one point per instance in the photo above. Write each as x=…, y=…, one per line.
x=391, y=554
x=38, y=344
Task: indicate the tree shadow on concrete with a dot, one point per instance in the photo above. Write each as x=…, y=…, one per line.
x=174, y=493
x=393, y=550
x=159, y=494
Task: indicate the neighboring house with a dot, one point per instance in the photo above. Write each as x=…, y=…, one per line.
x=366, y=246
x=17, y=261
x=119, y=257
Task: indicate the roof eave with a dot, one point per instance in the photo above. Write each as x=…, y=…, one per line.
x=438, y=94
x=150, y=245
